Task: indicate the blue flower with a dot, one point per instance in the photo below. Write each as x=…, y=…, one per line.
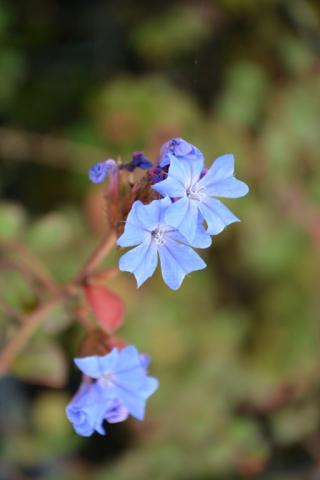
x=139, y=160
x=121, y=387
x=194, y=189
x=179, y=148
x=100, y=170
x=147, y=229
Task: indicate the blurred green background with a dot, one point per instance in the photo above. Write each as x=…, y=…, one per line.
x=236, y=349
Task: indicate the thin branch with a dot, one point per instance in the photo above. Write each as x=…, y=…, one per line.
x=29, y=264
x=33, y=320
x=100, y=252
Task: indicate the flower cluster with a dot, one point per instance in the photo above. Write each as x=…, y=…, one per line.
x=188, y=213
x=115, y=386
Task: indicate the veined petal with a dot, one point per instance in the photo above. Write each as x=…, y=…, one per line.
x=202, y=238
x=141, y=261
x=217, y=215
x=183, y=215
x=170, y=187
x=228, y=188
x=221, y=168
x=187, y=172
x=132, y=236
x=177, y=260
x=129, y=358
x=87, y=409
x=135, y=398
x=150, y=215
x=134, y=232
x=95, y=366
x=135, y=404
x=220, y=182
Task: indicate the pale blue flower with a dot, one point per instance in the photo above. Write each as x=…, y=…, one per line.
x=147, y=229
x=120, y=387
x=122, y=376
x=194, y=193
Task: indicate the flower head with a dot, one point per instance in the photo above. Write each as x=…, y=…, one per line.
x=178, y=148
x=100, y=170
x=147, y=229
x=194, y=190
x=120, y=387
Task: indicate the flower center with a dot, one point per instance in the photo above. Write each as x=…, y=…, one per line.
x=106, y=379
x=158, y=235
x=195, y=192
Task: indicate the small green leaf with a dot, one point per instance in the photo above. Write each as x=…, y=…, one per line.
x=12, y=220
x=50, y=233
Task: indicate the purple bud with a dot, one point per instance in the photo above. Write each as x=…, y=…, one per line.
x=139, y=160
x=180, y=149
x=100, y=170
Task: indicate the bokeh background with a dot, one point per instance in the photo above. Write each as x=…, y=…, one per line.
x=236, y=349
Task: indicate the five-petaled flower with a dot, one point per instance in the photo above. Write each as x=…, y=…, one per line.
x=119, y=387
x=194, y=189
x=147, y=230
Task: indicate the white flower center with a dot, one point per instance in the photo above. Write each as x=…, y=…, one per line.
x=195, y=192
x=106, y=379
x=158, y=235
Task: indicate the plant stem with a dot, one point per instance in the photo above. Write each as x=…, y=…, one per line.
x=32, y=321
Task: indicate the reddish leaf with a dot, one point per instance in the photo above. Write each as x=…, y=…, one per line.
x=107, y=306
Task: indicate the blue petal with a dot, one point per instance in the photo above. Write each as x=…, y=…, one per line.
x=177, y=260
x=141, y=261
x=187, y=172
x=134, y=396
x=95, y=366
x=90, y=366
x=229, y=188
x=219, y=180
x=149, y=215
x=170, y=187
x=221, y=168
x=201, y=239
x=145, y=360
x=134, y=232
x=216, y=215
x=183, y=215
x=87, y=409
x=129, y=358
x=135, y=404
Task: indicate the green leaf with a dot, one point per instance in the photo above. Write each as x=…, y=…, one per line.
x=50, y=233
x=12, y=221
